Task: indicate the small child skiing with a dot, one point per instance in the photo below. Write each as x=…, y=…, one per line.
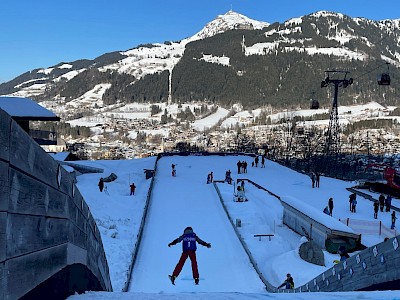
x=188, y=239
x=173, y=170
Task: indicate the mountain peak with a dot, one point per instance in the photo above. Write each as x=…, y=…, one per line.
x=228, y=21
x=325, y=13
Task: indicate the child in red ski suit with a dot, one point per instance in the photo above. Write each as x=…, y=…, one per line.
x=188, y=239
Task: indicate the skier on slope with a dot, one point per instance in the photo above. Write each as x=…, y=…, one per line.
x=188, y=239
x=173, y=170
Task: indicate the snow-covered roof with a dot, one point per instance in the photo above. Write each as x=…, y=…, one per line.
x=26, y=109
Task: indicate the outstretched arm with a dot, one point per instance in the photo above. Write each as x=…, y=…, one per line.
x=282, y=285
x=203, y=243
x=174, y=242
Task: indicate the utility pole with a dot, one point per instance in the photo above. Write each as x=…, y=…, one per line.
x=332, y=144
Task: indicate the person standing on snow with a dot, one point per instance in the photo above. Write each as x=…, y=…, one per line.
x=352, y=197
x=228, y=177
x=210, y=178
x=381, y=202
x=239, y=166
x=376, y=209
x=312, y=176
x=317, y=177
x=101, y=184
x=393, y=220
x=388, y=203
x=330, y=204
x=353, y=205
x=189, y=246
x=173, y=170
x=244, y=164
x=133, y=188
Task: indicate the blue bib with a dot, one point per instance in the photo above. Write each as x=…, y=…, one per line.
x=189, y=242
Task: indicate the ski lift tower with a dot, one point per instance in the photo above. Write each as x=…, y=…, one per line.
x=333, y=138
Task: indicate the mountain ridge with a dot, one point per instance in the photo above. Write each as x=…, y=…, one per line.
x=233, y=59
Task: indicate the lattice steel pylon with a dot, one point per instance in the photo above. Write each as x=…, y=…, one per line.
x=332, y=144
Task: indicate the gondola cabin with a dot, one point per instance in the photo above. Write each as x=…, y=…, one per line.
x=384, y=79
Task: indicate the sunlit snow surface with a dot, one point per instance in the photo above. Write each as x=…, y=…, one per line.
x=186, y=200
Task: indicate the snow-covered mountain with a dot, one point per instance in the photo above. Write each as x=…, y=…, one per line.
x=230, y=20
x=139, y=61
x=233, y=59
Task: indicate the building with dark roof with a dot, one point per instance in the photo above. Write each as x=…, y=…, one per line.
x=23, y=110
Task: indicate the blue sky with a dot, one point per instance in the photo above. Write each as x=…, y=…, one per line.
x=39, y=34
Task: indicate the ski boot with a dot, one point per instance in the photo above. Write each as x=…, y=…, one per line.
x=172, y=278
x=196, y=281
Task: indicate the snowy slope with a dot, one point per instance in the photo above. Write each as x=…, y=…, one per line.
x=175, y=207
x=119, y=214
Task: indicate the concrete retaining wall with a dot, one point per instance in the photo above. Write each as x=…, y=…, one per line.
x=269, y=287
x=375, y=268
x=140, y=232
x=46, y=227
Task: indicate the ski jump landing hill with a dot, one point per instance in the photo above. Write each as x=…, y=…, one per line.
x=375, y=268
x=50, y=246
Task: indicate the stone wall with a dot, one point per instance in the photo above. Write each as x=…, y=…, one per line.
x=46, y=228
x=375, y=268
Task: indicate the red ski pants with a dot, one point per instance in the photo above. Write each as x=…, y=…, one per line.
x=184, y=256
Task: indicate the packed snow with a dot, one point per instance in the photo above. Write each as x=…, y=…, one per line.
x=187, y=200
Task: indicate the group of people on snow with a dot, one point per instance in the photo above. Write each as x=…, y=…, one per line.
x=380, y=204
x=241, y=167
x=257, y=160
